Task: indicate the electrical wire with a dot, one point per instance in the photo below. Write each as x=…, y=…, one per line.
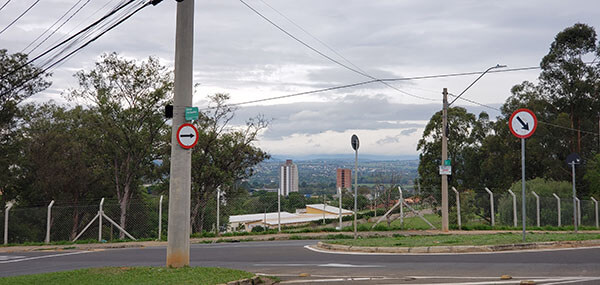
x=58, y=28
x=19, y=17
x=66, y=41
x=364, y=73
x=4, y=5
x=62, y=59
x=355, y=70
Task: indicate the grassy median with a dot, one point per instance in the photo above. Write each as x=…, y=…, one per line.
x=474, y=239
x=133, y=275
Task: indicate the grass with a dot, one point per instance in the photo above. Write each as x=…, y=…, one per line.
x=445, y=240
x=133, y=275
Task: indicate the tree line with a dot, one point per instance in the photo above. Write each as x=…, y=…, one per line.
x=566, y=101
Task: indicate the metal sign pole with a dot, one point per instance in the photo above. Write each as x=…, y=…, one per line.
x=524, y=215
x=574, y=196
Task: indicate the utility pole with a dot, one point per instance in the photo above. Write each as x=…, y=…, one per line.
x=178, y=249
x=444, y=158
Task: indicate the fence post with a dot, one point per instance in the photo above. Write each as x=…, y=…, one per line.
x=401, y=207
x=160, y=218
x=218, y=210
x=578, y=211
x=514, y=207
x=457, y=207
x=596, y=211
x=6, y=210
x=278, y=210
x=340, y=193
x=100, y=212
x=558, y=203
x=47, y=240
x=491, y=205
x=537, y=208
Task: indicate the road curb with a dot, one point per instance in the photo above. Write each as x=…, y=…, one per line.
x=461, y=248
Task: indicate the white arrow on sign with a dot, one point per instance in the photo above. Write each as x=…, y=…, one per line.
x=187, y=136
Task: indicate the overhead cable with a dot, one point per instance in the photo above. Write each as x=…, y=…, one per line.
x=355, y=70
x=19, y=17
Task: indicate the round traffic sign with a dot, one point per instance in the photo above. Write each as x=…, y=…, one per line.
x=522, y=123
x=354, y=142
x=187, y=136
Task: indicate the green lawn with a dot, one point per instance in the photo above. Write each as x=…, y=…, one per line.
x=133, y=275
x=485, y=239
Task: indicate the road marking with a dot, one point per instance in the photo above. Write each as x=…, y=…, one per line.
x=44, y=256
x=342, y=265
x=315, y=249
x=9, y=257
x=515, y=280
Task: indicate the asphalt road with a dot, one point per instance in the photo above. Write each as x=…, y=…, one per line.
x=289, y=259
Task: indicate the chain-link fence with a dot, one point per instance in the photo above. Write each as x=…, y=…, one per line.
x=541, y=211
x=81, y=222
x=251, y=212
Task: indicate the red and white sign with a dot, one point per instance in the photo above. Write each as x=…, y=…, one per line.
x=187, y=136
x=522, y=123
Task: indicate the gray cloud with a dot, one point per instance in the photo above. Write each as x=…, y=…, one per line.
x=346, y=113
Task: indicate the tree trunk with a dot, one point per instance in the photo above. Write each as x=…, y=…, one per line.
x=194, y=216
x=123, y=205
x=579, y=135
x=75, y=223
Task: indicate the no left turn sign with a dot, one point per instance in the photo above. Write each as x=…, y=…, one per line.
x=187, y=136
x=522, y=123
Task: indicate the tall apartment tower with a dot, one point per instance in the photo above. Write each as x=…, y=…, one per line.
x=288, y=178
x=344, y=178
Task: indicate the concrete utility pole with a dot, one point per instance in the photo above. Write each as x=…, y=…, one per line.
x=178, y=249
x=444, y=158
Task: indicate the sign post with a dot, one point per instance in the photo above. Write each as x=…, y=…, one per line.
x=573, y=160
x=522, y=124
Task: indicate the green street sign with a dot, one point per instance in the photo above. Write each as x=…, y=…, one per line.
x=447, y=162
x=191, y=113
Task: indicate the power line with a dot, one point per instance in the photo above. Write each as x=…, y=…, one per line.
x=67, y=40
x=355, y=70
x=4, y=5
x=19, y=17
x=541, y=122
x=118, y=22
x=58, y=28
x=300, y=93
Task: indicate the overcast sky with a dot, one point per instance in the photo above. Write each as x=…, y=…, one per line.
x=239, y=53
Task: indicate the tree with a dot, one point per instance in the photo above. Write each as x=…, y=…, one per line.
x=15, y=86
x=569, y=82
x=461, y=125
x=592, y=176
x=223, y=156
x=58, y=159
x=128, y=97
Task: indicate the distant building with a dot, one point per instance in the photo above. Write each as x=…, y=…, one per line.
x=344, y=178
x=288, y=178
x=312, y=212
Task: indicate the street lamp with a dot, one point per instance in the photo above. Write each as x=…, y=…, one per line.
x=445, y=145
